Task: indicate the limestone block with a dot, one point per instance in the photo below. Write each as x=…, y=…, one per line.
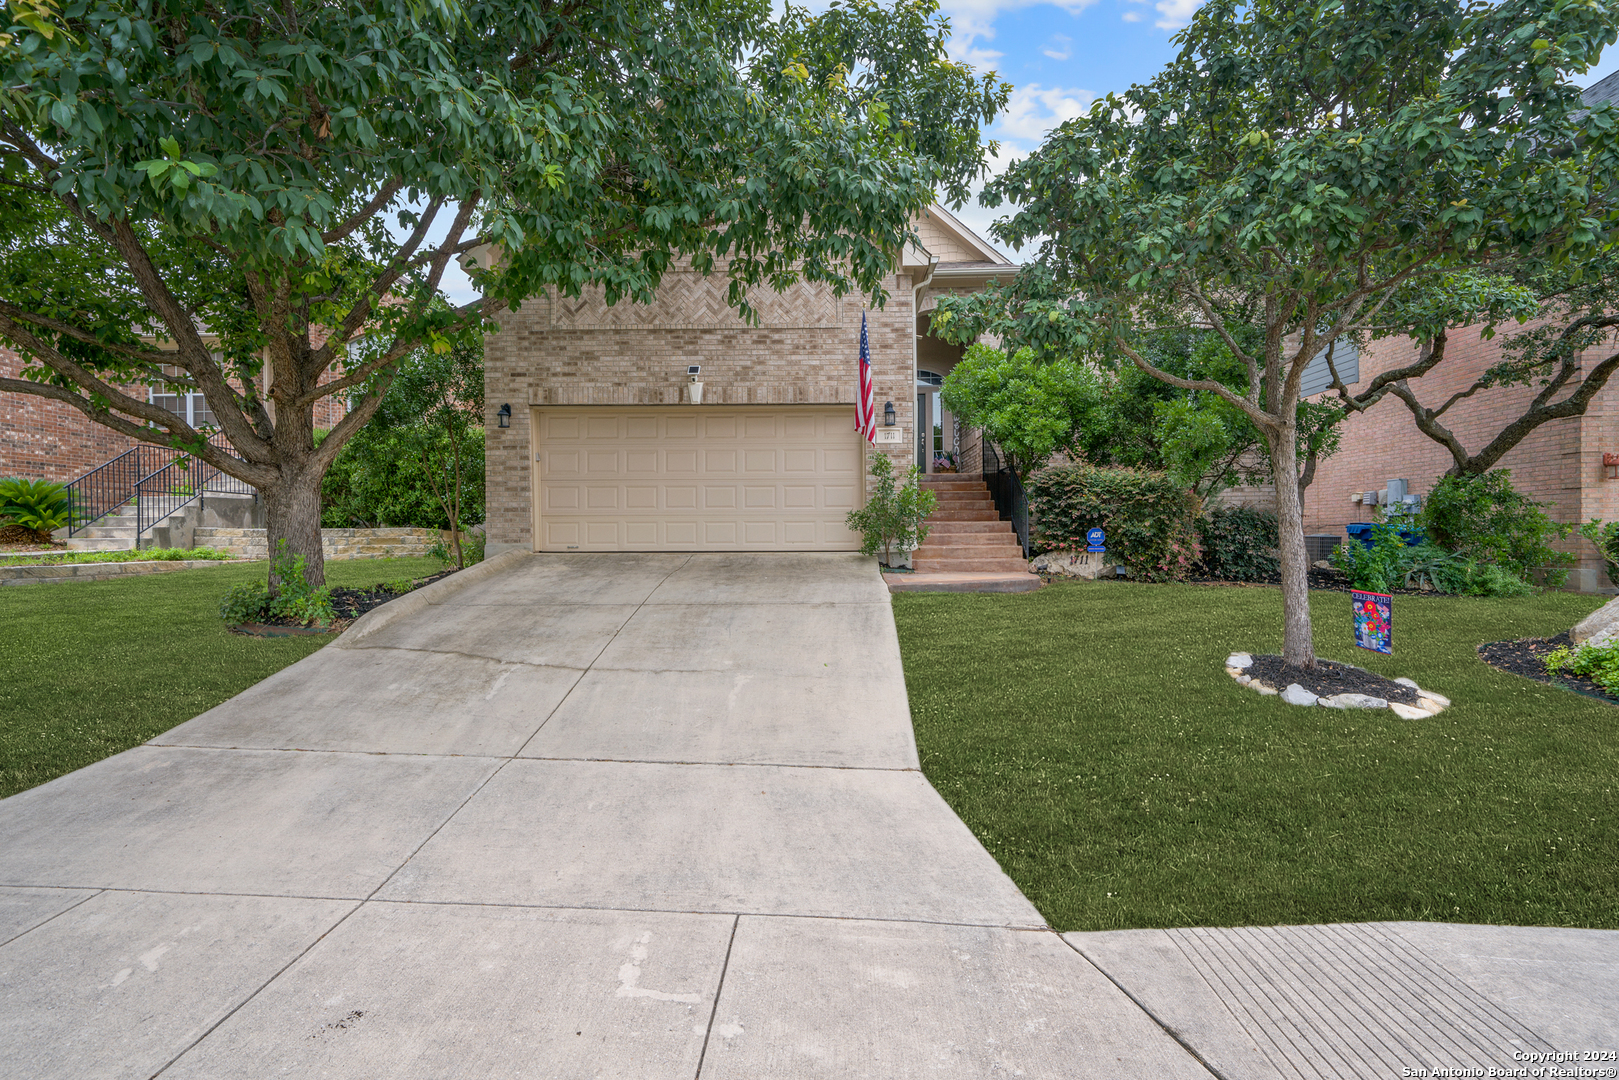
x=1085, y=565
x=1603, y=618
x=1407, y=712
x=1240, y=660
x=1353, y=701
x=1298, y=695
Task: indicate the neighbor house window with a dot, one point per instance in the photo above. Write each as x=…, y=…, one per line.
x=189, y=405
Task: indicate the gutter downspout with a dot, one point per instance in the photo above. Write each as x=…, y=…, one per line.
x=916, y=298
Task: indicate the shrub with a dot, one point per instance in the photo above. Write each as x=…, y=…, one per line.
x=1239, y=544
x=1599, y=663
x=1605, y=535
x=1489, y=521
x=38, y=505
x=1150, y=521
x=892, y=517
x=295, y=601
x=1391, y=563
x=379, y=480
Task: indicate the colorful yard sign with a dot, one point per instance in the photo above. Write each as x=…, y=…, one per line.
x=1094, y=540
x=1374, y=620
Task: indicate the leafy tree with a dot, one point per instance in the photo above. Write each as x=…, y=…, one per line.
x=1305, y=165
x=1570, y=312
x=1029, y=409
x=264, y=198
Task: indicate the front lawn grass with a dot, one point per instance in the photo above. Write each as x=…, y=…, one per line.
x=1089, y=736
x=89, y=669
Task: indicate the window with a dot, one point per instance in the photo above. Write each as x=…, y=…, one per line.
x=929, y=378
x=189, y=405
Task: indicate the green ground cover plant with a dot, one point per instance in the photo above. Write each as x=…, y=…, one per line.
x=1090, y=738
x=146, y=555
x=94, y=668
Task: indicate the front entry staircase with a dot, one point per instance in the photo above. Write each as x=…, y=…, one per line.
x=965, y=531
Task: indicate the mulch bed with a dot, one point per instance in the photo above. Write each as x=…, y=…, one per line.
x=347, y=604
x=1329, y=677
x=17, y=538
x=1527, y=657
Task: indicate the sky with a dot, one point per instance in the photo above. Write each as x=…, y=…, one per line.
x=1058, y=58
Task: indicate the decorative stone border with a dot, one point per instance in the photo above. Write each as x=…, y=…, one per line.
x=60, y=573
x=1431, y=704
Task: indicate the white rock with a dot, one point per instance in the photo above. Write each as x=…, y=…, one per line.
x=1438, y=699
x=1298, y=695
x=1234, y=672
x=1239, y=660
x=1245, y=679
x=1407, y=712
x=1412, y=683
x=1086, y=565
x=1603, y=618
x=1268, y=691
x=1353, y=701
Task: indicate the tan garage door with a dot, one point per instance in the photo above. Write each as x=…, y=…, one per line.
x=696, y=478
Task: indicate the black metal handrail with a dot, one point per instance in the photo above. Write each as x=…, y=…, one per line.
x=158, y=480
x=1007, y=490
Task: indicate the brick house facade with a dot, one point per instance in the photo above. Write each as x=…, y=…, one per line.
x=560, y=362
x=1560, y=463
x=51, y=440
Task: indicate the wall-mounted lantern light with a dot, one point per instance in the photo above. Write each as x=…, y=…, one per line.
x=1610, y=466
x=504, y=415
x=888, y=414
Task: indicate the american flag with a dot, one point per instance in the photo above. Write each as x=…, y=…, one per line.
x=865, y=408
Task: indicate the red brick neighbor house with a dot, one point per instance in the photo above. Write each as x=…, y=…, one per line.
x=674, y=426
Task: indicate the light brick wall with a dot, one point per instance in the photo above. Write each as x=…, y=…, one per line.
x=1559, y=464
x=560, y=351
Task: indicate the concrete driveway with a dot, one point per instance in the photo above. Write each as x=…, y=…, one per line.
x=595, y=816
x=623, y=816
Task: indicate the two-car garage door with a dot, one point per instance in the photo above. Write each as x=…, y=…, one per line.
x=695, y=478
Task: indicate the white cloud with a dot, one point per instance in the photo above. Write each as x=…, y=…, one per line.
x=1034, y=110
x=1174, y=14
x=972, y=26
x=1132, y=16
x=1059, y=48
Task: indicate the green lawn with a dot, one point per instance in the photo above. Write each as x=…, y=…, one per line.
x=93, y=668
x=1089, y=736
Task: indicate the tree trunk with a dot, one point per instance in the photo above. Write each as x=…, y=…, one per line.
x=1298, y=640
x=292, y=510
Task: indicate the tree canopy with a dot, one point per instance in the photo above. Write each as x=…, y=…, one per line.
x=265, y=198
x=1304, y=165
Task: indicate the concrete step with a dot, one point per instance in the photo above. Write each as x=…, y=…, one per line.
x=105, y=543
x=963, y=565
x=1000, y=547
x=963, y=484
x=974, y=514
x=954, y=501
x=996, y=526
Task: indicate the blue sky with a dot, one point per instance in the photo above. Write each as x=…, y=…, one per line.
x=1061, y=57
x=1058, y=58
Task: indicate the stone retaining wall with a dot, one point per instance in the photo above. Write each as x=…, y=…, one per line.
x=339, y=543
x=63, y=572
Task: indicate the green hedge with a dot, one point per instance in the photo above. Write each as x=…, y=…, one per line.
x=1150, y=521
x=378, y=481
x=1239, y=544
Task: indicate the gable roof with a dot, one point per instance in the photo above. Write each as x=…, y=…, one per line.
x=969, y=246
x=1604, y=90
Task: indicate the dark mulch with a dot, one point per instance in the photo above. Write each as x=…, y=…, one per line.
x=347, y=605
x=1527, y=657
x=1329, y=677
x=18, y=538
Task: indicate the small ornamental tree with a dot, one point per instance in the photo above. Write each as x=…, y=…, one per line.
x=258, y=202
x=1304, y=166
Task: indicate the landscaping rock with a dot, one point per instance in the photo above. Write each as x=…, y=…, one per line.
x=1353, y=701
x=1412, y=683
x=1603, y=618
x=1298, y=695
x=1406, y=712
x=1244, y=680
x=1085, y=565
x=1430, y=698
x=1239, y=660
x=1268, y=691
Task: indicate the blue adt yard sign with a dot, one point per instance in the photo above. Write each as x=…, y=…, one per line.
x=1095, y=539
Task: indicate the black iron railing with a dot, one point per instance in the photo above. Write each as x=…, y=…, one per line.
x=156, y=480
x=1007, y=491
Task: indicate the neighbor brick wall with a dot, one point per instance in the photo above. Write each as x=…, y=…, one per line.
x=560, y=351
x=1559, y=464
x=49, y=440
